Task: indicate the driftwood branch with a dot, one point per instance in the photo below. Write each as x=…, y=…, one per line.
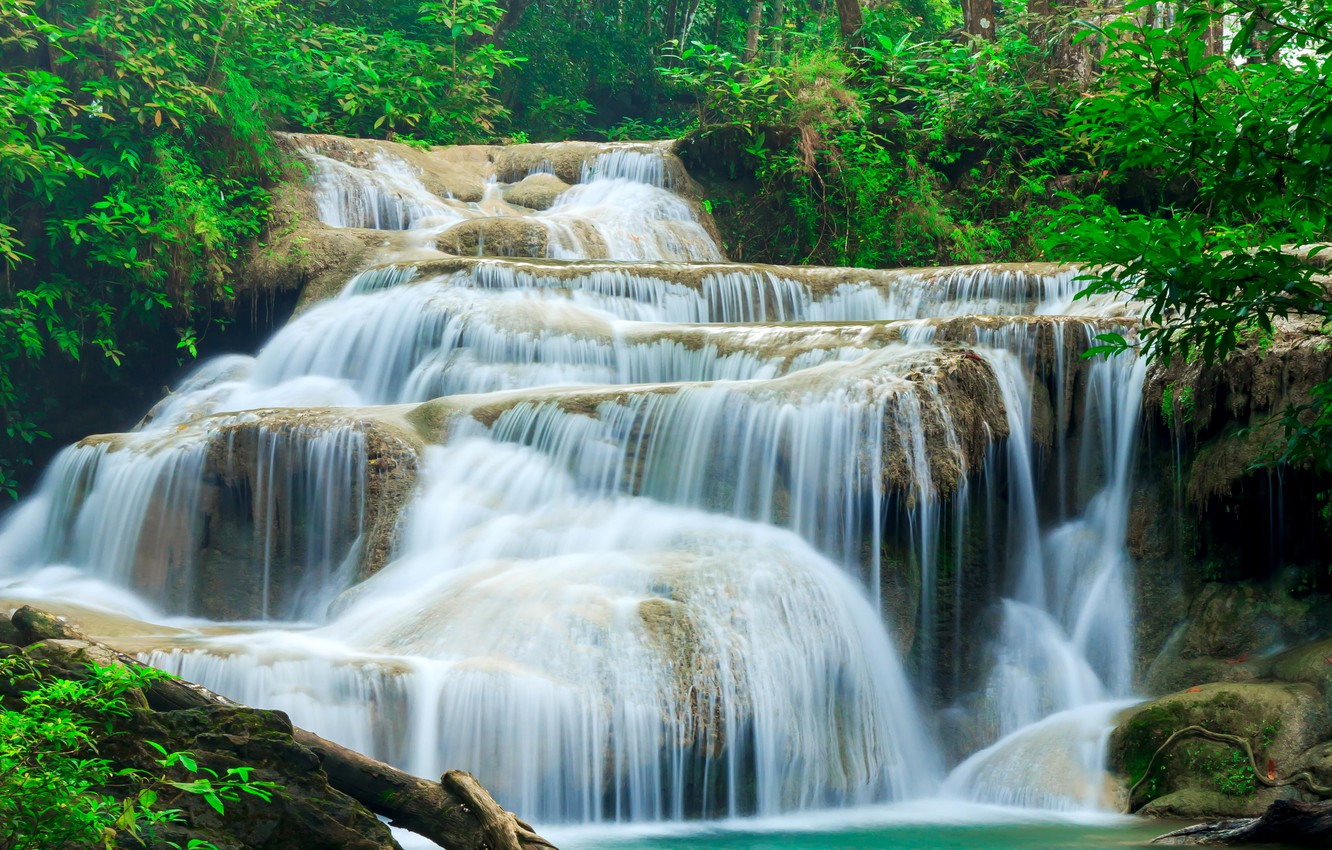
x=505, y=830
x=1302, y=777
x=1285, y=822
x=456, y=812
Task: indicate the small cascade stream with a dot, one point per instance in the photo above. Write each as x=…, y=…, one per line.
x=560, y=497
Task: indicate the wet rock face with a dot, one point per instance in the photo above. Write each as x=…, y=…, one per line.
x=1231, y=560
x=1211, y=406
x=1230, y=631
x=495, y=237
x=299, y=526
x=260, y=515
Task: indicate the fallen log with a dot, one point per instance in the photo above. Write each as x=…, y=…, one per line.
x=456, y=812
x=1287, y=822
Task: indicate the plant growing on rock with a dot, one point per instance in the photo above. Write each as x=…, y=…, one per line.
x=55, y=788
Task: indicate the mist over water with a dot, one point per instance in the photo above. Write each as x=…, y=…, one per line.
x=672, y=535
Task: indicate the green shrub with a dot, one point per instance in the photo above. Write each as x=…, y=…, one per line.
x=55, y=790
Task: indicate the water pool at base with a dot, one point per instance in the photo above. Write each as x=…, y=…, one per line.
x=913, y=837
x=929, y=825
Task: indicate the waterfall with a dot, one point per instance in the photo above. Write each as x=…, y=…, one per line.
x=1061, y=660
x=558, y=496
x=547, y=632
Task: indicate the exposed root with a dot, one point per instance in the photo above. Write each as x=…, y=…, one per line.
x=1260, y=776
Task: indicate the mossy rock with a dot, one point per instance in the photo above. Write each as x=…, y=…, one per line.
x=1310, y=663
x=1280, y=720
x=1229, y=631
x=1193, y=803
x=307, y=812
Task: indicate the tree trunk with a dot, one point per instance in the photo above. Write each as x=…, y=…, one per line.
x=778, y=22
x=691, y=13
x=671, y=27
x=978, y=16
x=752, y=30
x=1216, y=34
x=850, y=19
x=455, y=812
x=513, y=16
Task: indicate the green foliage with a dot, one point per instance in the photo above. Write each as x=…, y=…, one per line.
x=582, y=56
x=55, y=790
x=1231, y=773
x=49, y=769
x=630, y=129
x=1239, y=146
x=212, y=787
x=911, y=152
x=136, y=152
x=126, y=190
x=1178, y=404
x=432, y=82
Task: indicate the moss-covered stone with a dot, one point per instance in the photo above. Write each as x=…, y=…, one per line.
x=1280, y=720
x=1311, y=664
x=307, y=812
x=1199, y=803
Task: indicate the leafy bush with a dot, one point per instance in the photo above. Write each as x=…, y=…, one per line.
x=136, y=153
x=1239, y=144
x=55, y=789
x=911, y=152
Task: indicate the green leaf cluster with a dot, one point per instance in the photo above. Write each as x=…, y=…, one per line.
x=136, y=153
x=1235, y=149
x=56, y=790
x=906, y=151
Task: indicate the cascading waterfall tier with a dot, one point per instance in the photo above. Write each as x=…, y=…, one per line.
x=552, y=493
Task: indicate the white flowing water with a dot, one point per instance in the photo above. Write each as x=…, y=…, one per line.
x=644, y=570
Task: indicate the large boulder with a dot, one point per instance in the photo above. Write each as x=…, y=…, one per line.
x=1185, y=755
x=1310, y=663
